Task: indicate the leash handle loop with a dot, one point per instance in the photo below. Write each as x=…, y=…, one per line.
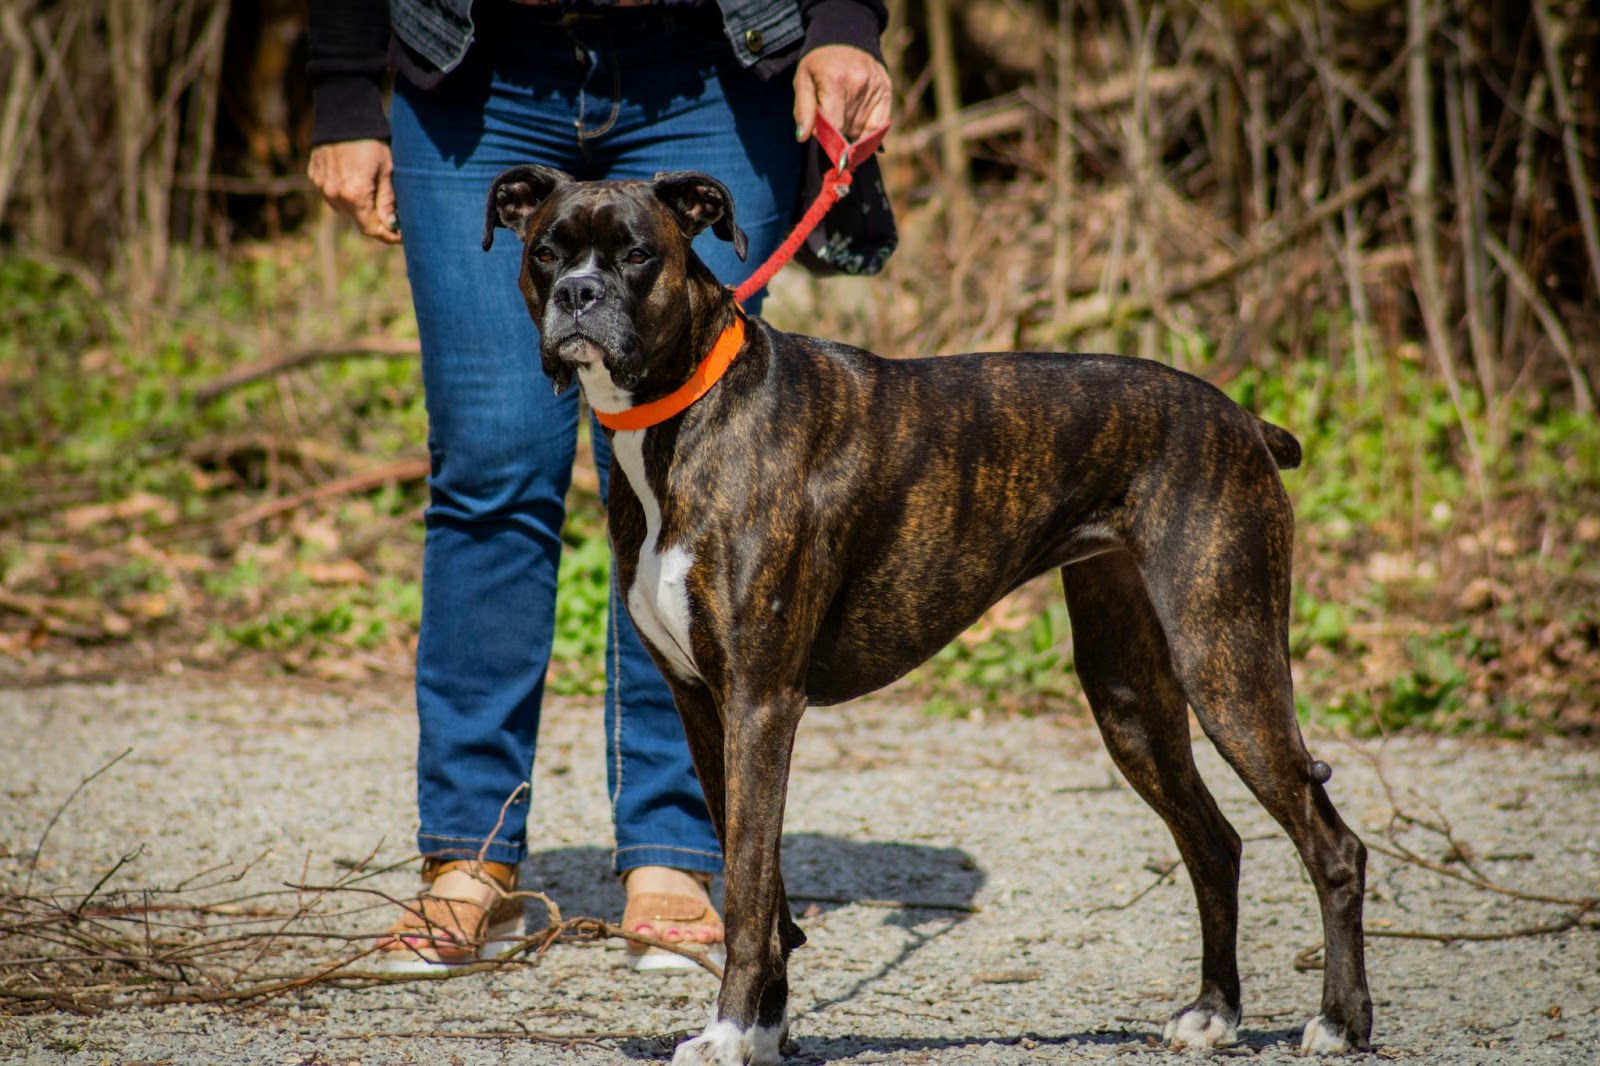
x=845, y=157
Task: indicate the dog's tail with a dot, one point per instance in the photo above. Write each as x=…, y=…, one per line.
x=1281, y=443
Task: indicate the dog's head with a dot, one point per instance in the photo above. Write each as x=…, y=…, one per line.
x=609, y=276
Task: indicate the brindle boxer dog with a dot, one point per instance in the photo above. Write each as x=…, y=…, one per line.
x=822, y=520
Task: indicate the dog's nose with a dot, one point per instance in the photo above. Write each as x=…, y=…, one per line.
x=576, y=293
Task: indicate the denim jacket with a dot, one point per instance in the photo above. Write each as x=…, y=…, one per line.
x=441, y=30
x=349, y=47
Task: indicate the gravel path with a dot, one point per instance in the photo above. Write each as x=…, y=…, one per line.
x=1023, y=823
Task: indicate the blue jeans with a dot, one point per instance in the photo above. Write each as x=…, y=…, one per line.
x=623, y=96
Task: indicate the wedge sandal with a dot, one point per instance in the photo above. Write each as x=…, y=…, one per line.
x=662, y=913
x=437, y=933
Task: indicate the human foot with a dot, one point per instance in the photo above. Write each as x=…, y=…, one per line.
x=675, y=906
x=462, y=916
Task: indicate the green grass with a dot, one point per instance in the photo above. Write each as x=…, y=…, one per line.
x=1385, y=473
x=97, y=402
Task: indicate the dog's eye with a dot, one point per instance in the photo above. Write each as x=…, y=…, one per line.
x=544, y=253
x=637, y=256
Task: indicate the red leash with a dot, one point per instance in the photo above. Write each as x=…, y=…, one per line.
x=845, y=157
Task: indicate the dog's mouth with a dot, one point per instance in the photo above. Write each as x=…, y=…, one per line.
x=580, y=351
x=617, y=361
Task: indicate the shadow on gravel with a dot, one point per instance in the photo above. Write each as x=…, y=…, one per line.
x=824, y=873
x=844, y=1047
x=821, y=872
x=835, y=1048
x=912, y=883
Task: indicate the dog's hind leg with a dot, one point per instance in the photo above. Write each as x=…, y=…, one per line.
x=1122, y=660
x=1226, y=614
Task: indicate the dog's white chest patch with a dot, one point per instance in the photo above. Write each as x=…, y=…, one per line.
x=659, y=599
x=598, y=388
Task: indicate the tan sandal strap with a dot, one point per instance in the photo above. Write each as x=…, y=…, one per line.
x=669, y=907
x=463, y=919
x=502, y=874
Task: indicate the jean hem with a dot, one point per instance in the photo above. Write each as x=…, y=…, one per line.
x=637, y=855
x=464, y=848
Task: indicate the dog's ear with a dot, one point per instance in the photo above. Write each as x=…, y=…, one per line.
x=698, y=200
x=515, y=195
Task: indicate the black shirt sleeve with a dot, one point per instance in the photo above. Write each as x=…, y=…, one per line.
x=348, y=58
x=858, y=23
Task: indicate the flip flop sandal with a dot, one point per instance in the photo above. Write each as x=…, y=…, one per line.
x=662, y=913
x=437, y=934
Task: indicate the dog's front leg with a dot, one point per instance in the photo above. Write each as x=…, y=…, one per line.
x=750, y=1019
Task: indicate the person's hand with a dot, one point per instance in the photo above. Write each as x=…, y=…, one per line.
x=356, y=178
x=847, y=85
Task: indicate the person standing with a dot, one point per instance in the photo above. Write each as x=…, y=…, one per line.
x=601, y=90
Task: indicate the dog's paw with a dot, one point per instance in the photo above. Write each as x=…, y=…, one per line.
x=725, y=1044
x=1196, y=1028
x=1323, y=1037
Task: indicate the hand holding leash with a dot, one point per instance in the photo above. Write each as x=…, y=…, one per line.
x=846, y=156
x=846, y=85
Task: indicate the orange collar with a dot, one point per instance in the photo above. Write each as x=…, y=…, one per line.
x=707, y=374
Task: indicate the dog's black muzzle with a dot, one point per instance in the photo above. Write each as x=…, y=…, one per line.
x=585, y=312
x=577, y=294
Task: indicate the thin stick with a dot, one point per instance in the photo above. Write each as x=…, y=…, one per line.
x=1424, y=223
x=1571, y=921
x=1406, y=855
x=1350, y=245
x=1065, y=56
x=1464, y=164
x=1161, y=872
x=1582, y=194
x=1143, y=148
x=1102, y=310
x=33, y=864
x=119, y=864
x=381, y=347
x=402, y=470
x=947, y=105
x=1583, y=393
x=542, y=1038
x=893, y=904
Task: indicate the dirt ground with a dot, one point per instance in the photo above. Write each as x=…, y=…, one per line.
x=1028, y=916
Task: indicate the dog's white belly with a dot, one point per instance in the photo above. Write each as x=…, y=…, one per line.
x=659, y=599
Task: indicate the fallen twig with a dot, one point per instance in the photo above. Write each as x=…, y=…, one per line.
x=66, y=617
x=1581, y=907
x=504, y=1034
x=401, y=471
x=382, y=347
x=1103, y=309
x=1571, y=921
x=33, y=863
x=1162, y=872
x=1456, y=850
x=892, y=904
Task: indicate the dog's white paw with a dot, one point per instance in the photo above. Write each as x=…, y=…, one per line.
x=725, y=1044
x=1323, y=1039
x=1198, y=1028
